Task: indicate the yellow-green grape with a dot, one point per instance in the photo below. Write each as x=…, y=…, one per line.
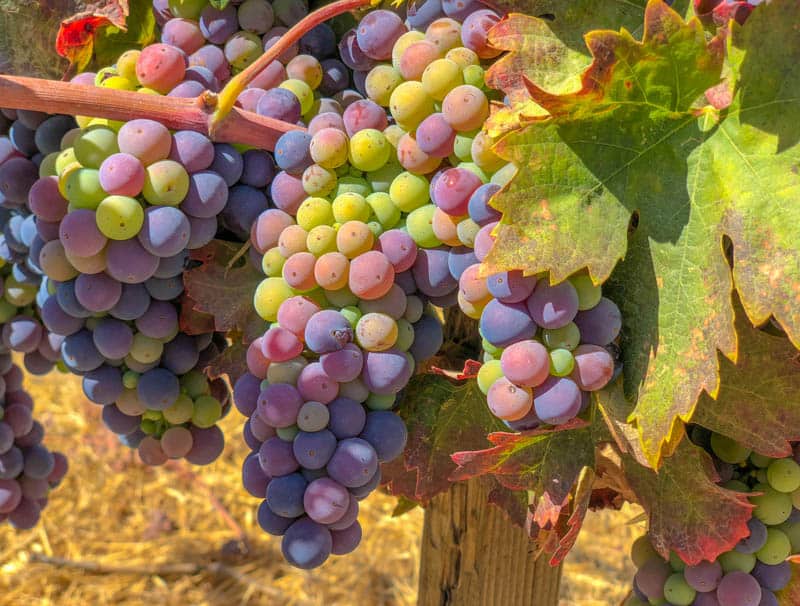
x=194, y=384
x=147, y=91
x=353, y=184
x=376, y=332
x=352, y=314
x=409, y=191
x=242, y=48
x=419, y=224
x=306, y=69
x=734, y=560
x=483, y=155
x=95, y=145
x=126, y=65
x=287, y=434
x=376, y=228
x=403, y=42
x=82, y=188
x=567, y=337
x=369, y=150
x=384, y=209
x=463, y=57
x=784, y=475
x=381, y=82
x=272, y=262
x=728, y=450
x=286, y=372
x=152, y=415
x=440, y=77
x=503, y=176
x=146, y=350
x=381, y=180
x=410, y=105
x=381, y=401
x=467, y=230
x=314, y=212
x=561, y=362
x=181, y=411
x=462, y=146
x=759, y=460
x=488, y=374
x=329, y=147
x=69, y=138
x=405, y=335
x=118, y=83
x=393, y=134
x=475, y=170
x=776, y=549
x=207, y=411
x=187, y=9
x=103, y=74
x=678, y=592
x=7, y=310
x=47, y=168
x=354, y=238
x=350, y=207
x=772, y=507
x=148, y=427
x=492, y=349
x=269, y=296
x=302, y=91
x=589, y=294
x=642, y=551
x=321, y=240
x=129, y=403
x=318, y=181
x=130, y=379
x=792, y=531
x=474, y=75
x=65, y=158
x=119, y=217
x=166, y=183
x=19, y=293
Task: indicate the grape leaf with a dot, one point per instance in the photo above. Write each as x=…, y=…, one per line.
x=688, y=512
x=139, y=31
x=631, y=151
x=552, y=32
x=231, y=362
x=223, y=292
x=76, y=36
x=755, y=405
x=790, y=595
x=442, y=417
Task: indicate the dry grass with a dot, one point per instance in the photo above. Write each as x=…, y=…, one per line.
x=189, y=537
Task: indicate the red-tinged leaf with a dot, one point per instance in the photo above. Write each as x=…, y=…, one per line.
x=76, y=36
x=470, y=371
x=689, y=513
x=194, y=322
x=403, y=506
x=513, y=503
x=790, y=595
x=232, y=362
x=399, y=481
x=441, y=417
x=225, y=293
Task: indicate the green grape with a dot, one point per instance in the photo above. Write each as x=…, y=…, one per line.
x=734, y=560
x=187, y=9
x=83, y=189
x=796, y=498
x=381, y=82
x=589, y=294
x=488, y=374
x=148, y=427
x=410, y=105
x=466, y=231
x=393, y=134
x=464, y=57
x=194, y=384
x=777, y=548
x=321, y=240
x=242, y=48
x=47, y=167
x=351, y=184
x=419, y=224
x=272, y=263
x=352, y=313
x=376, y=228
x=152, y=415
x=474, y=75
x=503, y=176
x=405, y=335
x=491, y=349
x=314, y=212
x=380, y=402
x=642, y=550
x=677, y=591
x=772, y=507
x=561, y=362
x=409, y=191
x=115, y=83
x=341, y=298
x=130, y=379
x=286, y=372
x=181, y=410
x=475, y=170
x=287, y=434
x=146, y=350
x=119, y=217
x=728, y=450
x=440, y=77
x=17, y=293
x=567, y=337
x=381, y=180
x=759, y=460
x=384, y=209
x=784, y=475
x=318, y=181
x=761, y=476
x=65, y=158
x=126, y=65
x=462, y=147
x=736, y=486
x=269, y=296
x=207, y=411
x=7, y=310
x=350, y=207
x=166, y=183
x=302, y=91
x=369, y=150
x=675, y=562
x=792, y=531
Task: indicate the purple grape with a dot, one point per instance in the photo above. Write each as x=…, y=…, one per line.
x=26, y=515
x=505, y=323
x=159, y=321
x=347, y=418
x=292, y=152
x=458, y=259
x=165, y=231
x=212, y=58
x=287, y=192
x=363, y=491
x=51, y=131
x=203, y=75
x=278, y=405
x=377, y=32
x=103, y=385
x=601, y=324
x=346, y=540
x=460, y=9
x=19, y=417
x=362, y=115
x=22, y=334
x=313, y=450
x=768, y=598
x=188, y=89
x=344, y=365
x=335, y=77
x=259, y=168
x=353, y=462
x=757, y=538
x=181, y=355
x=432, y=273
x=280, y=104
x=738, y=588
x=158, y=389
x=218, y=25
x=79, y=353
x=319, y=42
x=270, y=522
x=285, y=495
x=326, y=501
x=227, y=162
x=703, y=577
x=306, y=544
x=387, y=434
x=511, y=286
x=97, y=292
x=164, y=289
x=10, y=495
x=202, y=231
x=129, y=262
x=207, y=445
x=386, y=372
x=119, y=422
x=327, y=331
x=192, y=150
x=11, y=463
x=254, y=479
x=253, y=443
x=428, y=338
x=399, y=248
x=435, y=136
x=133, y=302
x=245, y=204
x=557, y=400
x=774, y=577
x=352, y=54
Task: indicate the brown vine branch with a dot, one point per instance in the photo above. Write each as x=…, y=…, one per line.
x=229, y=94
x=56, y=97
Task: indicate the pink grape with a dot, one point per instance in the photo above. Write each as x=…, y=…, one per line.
x=526, y=363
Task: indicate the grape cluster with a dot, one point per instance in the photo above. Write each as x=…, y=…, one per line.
x=751, y=573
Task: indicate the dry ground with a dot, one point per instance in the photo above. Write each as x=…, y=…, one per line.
x=189, y=537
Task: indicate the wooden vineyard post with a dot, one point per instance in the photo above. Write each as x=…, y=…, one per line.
x=472, y=555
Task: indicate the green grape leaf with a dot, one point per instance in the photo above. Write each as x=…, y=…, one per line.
x=633, y=172
x=688, y=512
x=223, y=286
x=755, y=405
x=442, y=417
x=139, y=31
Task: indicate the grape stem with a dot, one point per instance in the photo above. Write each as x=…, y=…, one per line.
x=235, y=86
x=55, y=97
